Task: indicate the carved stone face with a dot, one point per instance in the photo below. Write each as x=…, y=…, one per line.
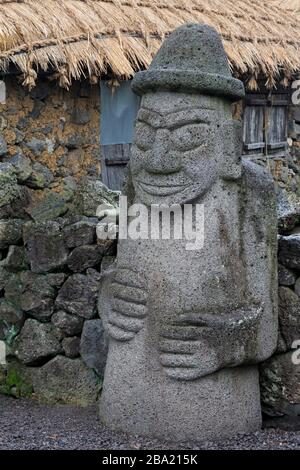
x=178, y=151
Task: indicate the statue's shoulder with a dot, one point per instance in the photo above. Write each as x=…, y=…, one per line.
x=258, y=185
x=259, y=212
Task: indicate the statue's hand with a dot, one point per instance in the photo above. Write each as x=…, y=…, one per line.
x=185, y=353
x=196, y=345
x=122, y=303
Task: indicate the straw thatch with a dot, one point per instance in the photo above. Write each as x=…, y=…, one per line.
x=288, y=5
x=79, y=38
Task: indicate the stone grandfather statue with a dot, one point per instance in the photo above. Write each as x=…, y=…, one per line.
x=188, y=328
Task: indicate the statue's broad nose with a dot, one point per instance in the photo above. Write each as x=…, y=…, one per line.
x=160, y=158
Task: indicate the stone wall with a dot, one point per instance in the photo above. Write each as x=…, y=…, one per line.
x=280, y=375
x=50, y=260
x=284, y=169
x=50, y=263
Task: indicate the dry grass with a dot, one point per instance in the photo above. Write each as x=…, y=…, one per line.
x=88, y=37
x=288, y=4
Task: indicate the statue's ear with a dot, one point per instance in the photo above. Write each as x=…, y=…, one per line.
x=128, y=188
x=232, y=143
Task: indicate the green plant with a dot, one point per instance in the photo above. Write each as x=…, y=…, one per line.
x=10, y=332
x=15, y=385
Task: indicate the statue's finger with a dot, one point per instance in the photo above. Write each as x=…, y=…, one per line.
x=179, y=360
x=201, y=319
x=183, y=332
x=130, y=278
x=119, y=334
x=182, y=373
x=129, y=309
x=127, y=293
x=124, y=322
x=178, y=347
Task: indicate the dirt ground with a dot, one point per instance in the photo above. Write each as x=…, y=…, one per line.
x=28, y=425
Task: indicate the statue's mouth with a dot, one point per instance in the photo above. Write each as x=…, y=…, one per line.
x=161, y=190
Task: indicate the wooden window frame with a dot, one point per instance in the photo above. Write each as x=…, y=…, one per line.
x=271, y=149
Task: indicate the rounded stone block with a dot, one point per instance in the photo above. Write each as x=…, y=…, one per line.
x=217, y=406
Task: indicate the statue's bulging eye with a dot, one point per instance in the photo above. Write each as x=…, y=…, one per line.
x=189, y=137
x=144, y=136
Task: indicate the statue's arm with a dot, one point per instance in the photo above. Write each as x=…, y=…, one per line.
x=123, y=293
x=260, y=248
x=122, y=303
x=197, y=344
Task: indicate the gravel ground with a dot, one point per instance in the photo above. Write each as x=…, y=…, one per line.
x=26, y=424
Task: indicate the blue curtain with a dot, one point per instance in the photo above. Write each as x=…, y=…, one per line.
x=118, y=113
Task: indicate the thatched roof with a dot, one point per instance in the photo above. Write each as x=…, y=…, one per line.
x=89, y=37
x=288, y=4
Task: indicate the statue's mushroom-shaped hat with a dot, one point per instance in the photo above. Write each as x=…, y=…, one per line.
x=191, y=60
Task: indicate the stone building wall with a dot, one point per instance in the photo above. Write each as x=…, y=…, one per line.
x=53, y=127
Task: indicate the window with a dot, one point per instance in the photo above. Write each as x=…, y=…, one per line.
x=265, y=124
x=119, y=107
